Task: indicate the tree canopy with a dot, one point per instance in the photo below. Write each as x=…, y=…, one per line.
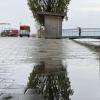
x=54, y=6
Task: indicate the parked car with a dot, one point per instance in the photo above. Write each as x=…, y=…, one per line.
x=10, y=33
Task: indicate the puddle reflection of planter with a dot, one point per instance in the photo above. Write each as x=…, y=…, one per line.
x=51, y=85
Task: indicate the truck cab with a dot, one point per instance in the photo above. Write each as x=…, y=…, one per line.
x=24, y=30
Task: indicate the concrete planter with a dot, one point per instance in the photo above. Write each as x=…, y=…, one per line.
x=53, y=24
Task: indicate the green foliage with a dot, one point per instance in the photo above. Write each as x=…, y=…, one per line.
x=55, y=6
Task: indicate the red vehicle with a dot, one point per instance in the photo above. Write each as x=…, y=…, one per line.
x=10, y=32
x=24, y=30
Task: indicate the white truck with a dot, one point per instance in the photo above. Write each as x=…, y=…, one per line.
x=24, y=30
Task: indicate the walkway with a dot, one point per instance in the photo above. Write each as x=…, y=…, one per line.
x=18, y=56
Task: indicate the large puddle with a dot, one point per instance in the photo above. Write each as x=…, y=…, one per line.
x=59, y=70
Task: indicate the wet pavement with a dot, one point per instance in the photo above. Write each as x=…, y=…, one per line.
x=54, y=69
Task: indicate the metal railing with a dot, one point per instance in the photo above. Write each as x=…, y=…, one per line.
x=85, y=32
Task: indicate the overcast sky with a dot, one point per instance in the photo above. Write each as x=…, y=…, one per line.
x=84, y=13
x=16, y=12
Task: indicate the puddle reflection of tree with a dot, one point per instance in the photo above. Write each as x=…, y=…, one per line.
x=51, y=82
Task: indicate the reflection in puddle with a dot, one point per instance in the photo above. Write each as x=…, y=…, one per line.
x=50, y=79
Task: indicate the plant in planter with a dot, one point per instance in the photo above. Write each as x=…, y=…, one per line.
x=44, y=10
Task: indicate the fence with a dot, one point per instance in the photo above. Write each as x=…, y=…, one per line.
x=85, y=32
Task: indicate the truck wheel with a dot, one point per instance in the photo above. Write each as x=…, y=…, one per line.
x=20, y=35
